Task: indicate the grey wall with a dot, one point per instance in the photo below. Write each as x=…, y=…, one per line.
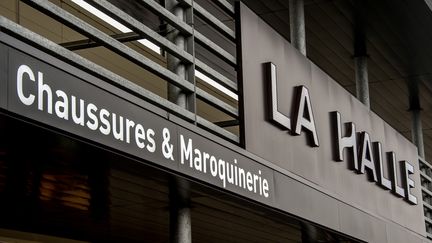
x=359, y=207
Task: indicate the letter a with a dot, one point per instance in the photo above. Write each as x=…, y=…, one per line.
x=303, y=116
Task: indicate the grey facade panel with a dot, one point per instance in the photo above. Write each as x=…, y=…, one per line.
x=397, y=234
x=262, y=44
x=309, y=203
x=361, y=225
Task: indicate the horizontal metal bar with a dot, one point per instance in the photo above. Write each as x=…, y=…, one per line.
x=425, y=163
x=218, y=77
x=157, y=39
x=428, y=206
x=223, y=106
x=428, y=220
x=186, y=29
x=137, y=26
x=226, y=6
x=86, y=65
x=89, y=43
x=159, y=10
x=201, y=66
x=425, y=190
x=212, y=127
x=116, y=46
x=142, y=29
x=423, y=175
x=83, y=63
x=211, y=20
x=230, y=123
x=214, y=48
x=129, y=53
x=428, y=235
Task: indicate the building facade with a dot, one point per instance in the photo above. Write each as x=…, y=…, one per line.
x=215, y=121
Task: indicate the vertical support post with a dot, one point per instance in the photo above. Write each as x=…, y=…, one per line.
x=362, y=81
x=416, y=123
x=176, y=94
x=179, y=188
x=417, y=132
x=360, y=54
x=297, y=25
x=180, y=212
x=309, y=233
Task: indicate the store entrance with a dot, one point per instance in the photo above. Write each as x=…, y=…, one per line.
x=53, y=188
x=56, y=188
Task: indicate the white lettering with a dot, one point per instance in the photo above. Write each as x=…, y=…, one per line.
x=303, y=116
x=117, y=134
x=106, y=127
x=151, y=146
x=44, y=89
x=139, y=136
x=61, y=107
x=93, y=122
x=129, y=124
x=77, y=119
x=185, y=151
x=24, y=69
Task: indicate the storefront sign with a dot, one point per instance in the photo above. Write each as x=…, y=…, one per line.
x=364, y=155
x=300, y=119
x=72, y=102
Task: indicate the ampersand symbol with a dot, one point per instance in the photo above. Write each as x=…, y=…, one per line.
x=167, y=148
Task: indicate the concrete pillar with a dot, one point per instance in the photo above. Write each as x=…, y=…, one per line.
x=416, y=123
x=175, y=94
x=362, y=81
x=417, y=132
x=297, y=25
x=309, y=233
x=360, y=54
x=180, y=214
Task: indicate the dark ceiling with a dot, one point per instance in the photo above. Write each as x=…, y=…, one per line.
x=398, y=39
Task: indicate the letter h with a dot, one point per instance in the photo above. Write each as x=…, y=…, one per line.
x=349, y=141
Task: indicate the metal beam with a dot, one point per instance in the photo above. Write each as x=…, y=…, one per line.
x=186, y=30
x=416, y=122
x=174, y=21
x=225, y=6
x=210, y=19
x=180, y=210
x=132, y=55
x=362, y=80
x=142, y=29
x=229, y=123
x=89, y=43
x=218, y=77
x=165, y=44
x=297, y=25
x=215, y=49
x=20, y=32
x=360, y=54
